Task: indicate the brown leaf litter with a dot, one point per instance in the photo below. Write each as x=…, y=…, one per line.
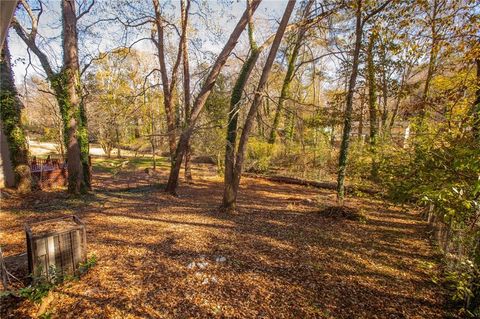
x=282, y=258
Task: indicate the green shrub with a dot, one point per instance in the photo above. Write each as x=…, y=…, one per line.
x=259, y=155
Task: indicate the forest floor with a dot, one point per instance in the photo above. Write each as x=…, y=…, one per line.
x=160, y=256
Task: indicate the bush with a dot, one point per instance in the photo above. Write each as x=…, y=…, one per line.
x=259, y=155
x=441, y=170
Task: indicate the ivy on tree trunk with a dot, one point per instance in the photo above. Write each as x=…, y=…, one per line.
x=10, y=111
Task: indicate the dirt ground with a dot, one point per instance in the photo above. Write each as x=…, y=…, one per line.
x=278, y=257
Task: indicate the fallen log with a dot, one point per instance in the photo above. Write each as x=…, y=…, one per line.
x=304, y=182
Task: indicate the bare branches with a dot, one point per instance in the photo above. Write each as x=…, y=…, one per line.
x=87, y=65
x=31, y=44
x=86, y=10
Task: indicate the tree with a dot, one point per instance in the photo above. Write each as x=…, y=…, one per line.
x=476, y=105
x=372, y=102
x=231, y=186
x=169, y=85
x=10, y=112
x=241, y=82
x=114, y=84
x=72, y=109
x=67, y=89
x=185, y=7
x=292, y=59
x=347, y=125
x=203, y=95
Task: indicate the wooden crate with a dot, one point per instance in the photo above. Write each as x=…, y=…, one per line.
x=56, y=247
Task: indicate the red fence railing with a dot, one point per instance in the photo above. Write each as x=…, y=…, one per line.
x=49, y=172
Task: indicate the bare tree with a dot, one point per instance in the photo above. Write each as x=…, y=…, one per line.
x=347, y=125
x=185, y=6
x=66, y=87
x=203, y=95
x=231, y=186
x=168, y=85
x=71, y=106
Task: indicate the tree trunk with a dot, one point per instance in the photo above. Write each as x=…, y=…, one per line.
x=203, y=95
x=360, y=120
x=292, y=59
x=66, y=85
x=232, y=188
x=476, y=107
x=384, y=89
x=168, y=87
x=347, y=125
x=72, y=105
x=185, y=7
x=231, y=137
x=398, y=100
x=10, y=112
x=117, y=141
x=372, y=106
x=432, y=61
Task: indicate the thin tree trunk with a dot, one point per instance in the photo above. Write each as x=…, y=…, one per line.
x=117, y=141
x=229, y=203
x=185, y=7
x=84, y=146
x=203, y=95
x=372, y=106
x=231, y=137
x=384, y=89
x=476, y=107
x=292, y=59
x=347, y=125
x=432, y=61
x=332, y=136
x=167, y=94
x=398, y=100
x=360, y=120
x=10, y=112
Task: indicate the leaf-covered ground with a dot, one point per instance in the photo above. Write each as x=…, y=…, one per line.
x=161, y=256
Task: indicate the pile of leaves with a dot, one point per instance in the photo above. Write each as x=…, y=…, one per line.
x=343, y=212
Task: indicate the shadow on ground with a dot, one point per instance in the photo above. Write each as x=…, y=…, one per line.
x=283, y=258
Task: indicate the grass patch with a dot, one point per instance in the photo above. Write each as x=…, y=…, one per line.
x=113, y=165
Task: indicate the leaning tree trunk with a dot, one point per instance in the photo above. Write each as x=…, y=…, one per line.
x=203, y=95
x=372, y=106
x=347, y=125
x=229, y=203
x=292, y=59
x=10, y=112
x=231, y=137
x=71, y=107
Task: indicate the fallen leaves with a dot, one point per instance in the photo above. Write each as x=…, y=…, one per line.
x=278, y=257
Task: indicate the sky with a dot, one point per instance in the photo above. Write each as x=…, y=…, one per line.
x=211, y=34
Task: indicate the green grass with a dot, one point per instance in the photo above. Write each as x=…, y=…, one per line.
x=112, y=165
